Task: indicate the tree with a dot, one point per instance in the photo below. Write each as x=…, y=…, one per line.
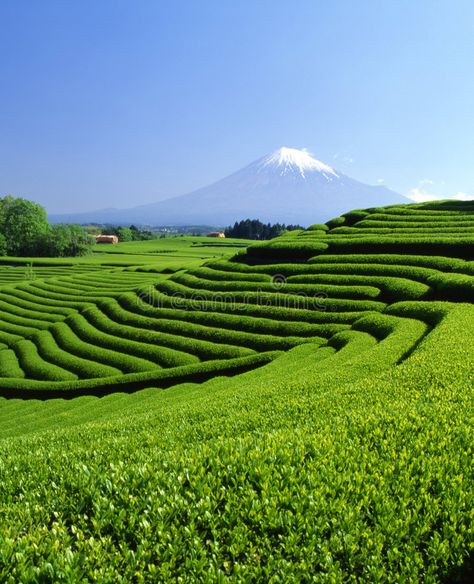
x=124, y=234
x=93, y=229
x=109, y=230
x=3, y=245
x=255, y=229
x=69, y=241
x=24, y=225
x=25, y=231
x=131, y=233
x=135, y=232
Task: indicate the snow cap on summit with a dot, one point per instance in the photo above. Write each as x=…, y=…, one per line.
x=291, y=159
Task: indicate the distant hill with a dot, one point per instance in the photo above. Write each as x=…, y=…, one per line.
x=288, y=186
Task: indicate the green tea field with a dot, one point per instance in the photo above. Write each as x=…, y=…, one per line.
x=195, y=410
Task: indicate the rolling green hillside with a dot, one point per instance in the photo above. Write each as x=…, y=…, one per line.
x=316, y=426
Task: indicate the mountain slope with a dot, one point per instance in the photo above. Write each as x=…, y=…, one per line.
x=286, y=186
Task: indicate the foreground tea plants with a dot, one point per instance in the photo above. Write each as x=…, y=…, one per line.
x=329, y=437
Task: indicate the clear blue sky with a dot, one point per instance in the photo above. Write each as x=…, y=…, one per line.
x=118, y=103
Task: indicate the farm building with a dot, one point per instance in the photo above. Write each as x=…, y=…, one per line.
x=106, y=239
x=216, y=234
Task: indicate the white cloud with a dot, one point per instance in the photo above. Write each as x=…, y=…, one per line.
x=463, y=197
x=421, y=196
x=380, y=180
x=426, y=181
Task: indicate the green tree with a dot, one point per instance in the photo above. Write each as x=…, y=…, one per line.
x=24, y=226
x=124, y=234
x=135, y=232
x=93, y=229
x=69, y=241
x=255, y=229
x=3, y=245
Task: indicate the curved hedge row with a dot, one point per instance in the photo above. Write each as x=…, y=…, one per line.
x=9, y=365
x=35, y=367
x=401, y=231
x=445, y=264
x=179, y=344
x=412, y=223
x=285, y=250
x=393, y=288
x=335, y=290
x=84, y=368
x=39, y=389
x=128, y=307
x=315, y=301
x=458, y=247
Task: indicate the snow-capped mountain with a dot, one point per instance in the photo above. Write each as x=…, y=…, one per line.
x=287, y=186
x=296, y=162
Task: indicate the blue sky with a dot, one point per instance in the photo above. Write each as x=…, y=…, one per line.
x=118, y=103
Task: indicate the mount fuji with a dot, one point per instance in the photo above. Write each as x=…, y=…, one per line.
x=287, y=186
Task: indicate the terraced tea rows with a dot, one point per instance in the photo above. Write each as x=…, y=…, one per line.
x=29, y=271
x=347, y=456
x=339, y=283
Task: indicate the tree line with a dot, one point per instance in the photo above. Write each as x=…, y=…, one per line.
x=255, y=229
x=26, y=232
x=131, y=233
